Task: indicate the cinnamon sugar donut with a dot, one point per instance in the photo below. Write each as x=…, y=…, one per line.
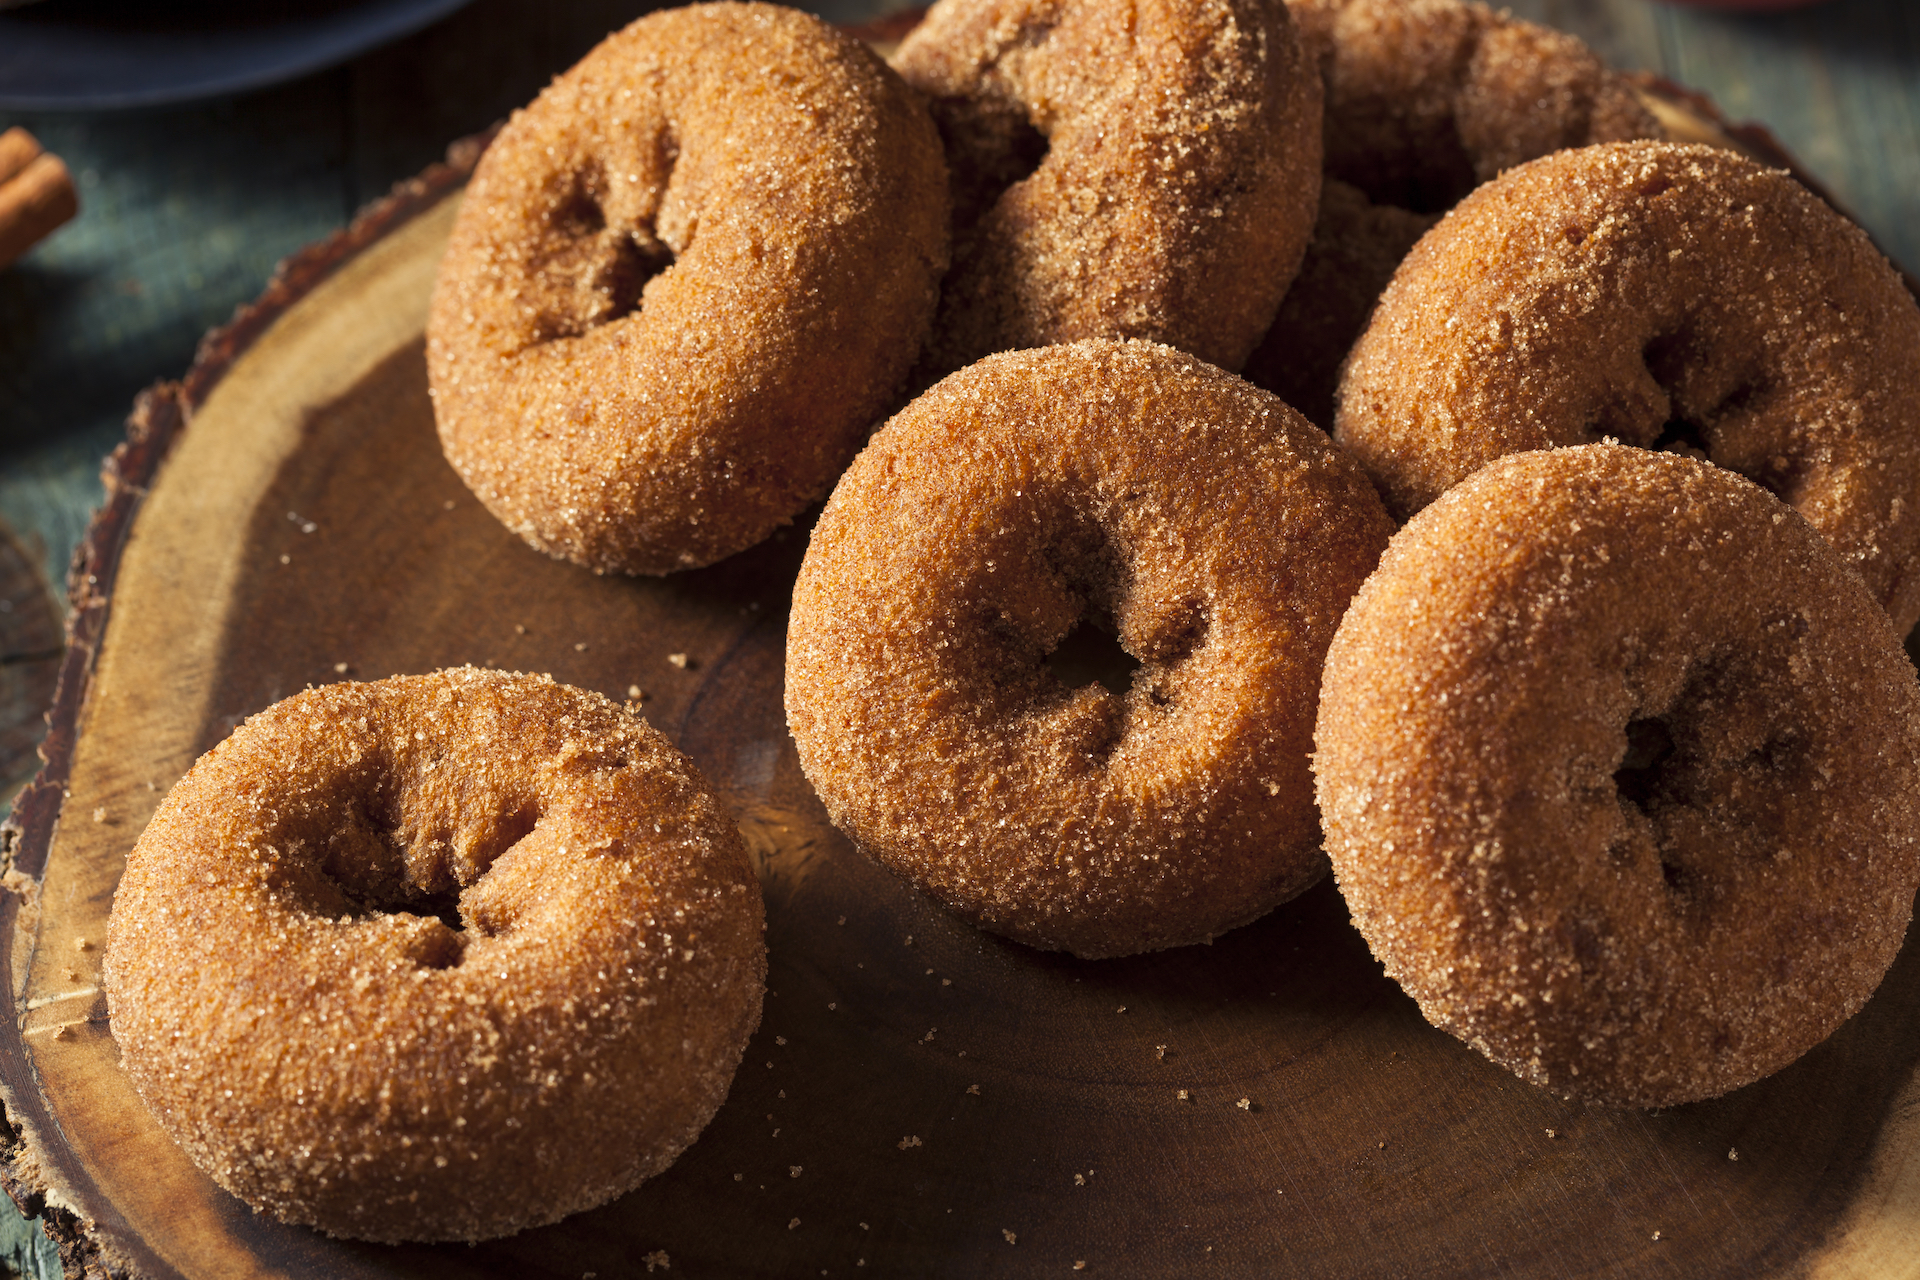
x=1619, y=766
x=1666, y=296
x=1425, y=100
x=1031, y=494
x=1177, y=153
x=436, y=958
x=684, y=285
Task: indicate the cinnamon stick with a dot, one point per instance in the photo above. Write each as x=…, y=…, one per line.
x=36, y=193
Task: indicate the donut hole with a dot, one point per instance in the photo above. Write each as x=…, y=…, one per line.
x=993, y=144
x=1678, y=435
x=600, y=270
x=1091, y=653
x=1712, y=401
x=382, y=861
x=633, y=262
x=1649, y=747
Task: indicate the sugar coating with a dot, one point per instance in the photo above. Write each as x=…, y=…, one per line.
x=1425, y=100
x=335, y=1058
x=1674, y=296
x=1180, y=173
x=628, y=342
x=1618, y=764
x=1218, y=533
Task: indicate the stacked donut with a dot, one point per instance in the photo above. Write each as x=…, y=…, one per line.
x=1617, y=748
x=1425, y=100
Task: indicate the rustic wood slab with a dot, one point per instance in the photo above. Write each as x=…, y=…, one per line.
x=922, y=1099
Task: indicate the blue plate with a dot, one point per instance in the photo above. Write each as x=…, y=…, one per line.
x=92, y=54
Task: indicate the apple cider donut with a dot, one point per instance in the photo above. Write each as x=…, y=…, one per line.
x=1425, y=100
x=684, y=285
x=1666, y=296
x=1178, y=165
x=436, y=958
x=1026, y=497
x=1619, y=766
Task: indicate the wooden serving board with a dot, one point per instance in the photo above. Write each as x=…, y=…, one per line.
x=921, y=1099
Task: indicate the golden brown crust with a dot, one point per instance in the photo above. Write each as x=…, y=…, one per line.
x=1424, y=101
x=1427, y=99
x=1181, y=170
x=1025, y=495
x=295, y=1013
x=1618, y=764
x=1662, y=295
x=790, y=194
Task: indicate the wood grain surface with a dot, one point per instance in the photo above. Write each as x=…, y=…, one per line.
x=922, y=1099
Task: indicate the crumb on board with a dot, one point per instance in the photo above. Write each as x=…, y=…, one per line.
x=1183, y=1095
x=1011, y=1238
x=635, y=693
x=1246, y=1104
x=792, y=1223
x=974, y=1089
x=911, y=1140
x=1733, y=1153
x=340, y=668
x=680, y=660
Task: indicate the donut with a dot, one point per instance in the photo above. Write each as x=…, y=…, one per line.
x=1425, y=100
x=1618, y=763
x=439, y=957
x=628, y=346
x=988, y=527
x=1666, y=296
x=1139, y=170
